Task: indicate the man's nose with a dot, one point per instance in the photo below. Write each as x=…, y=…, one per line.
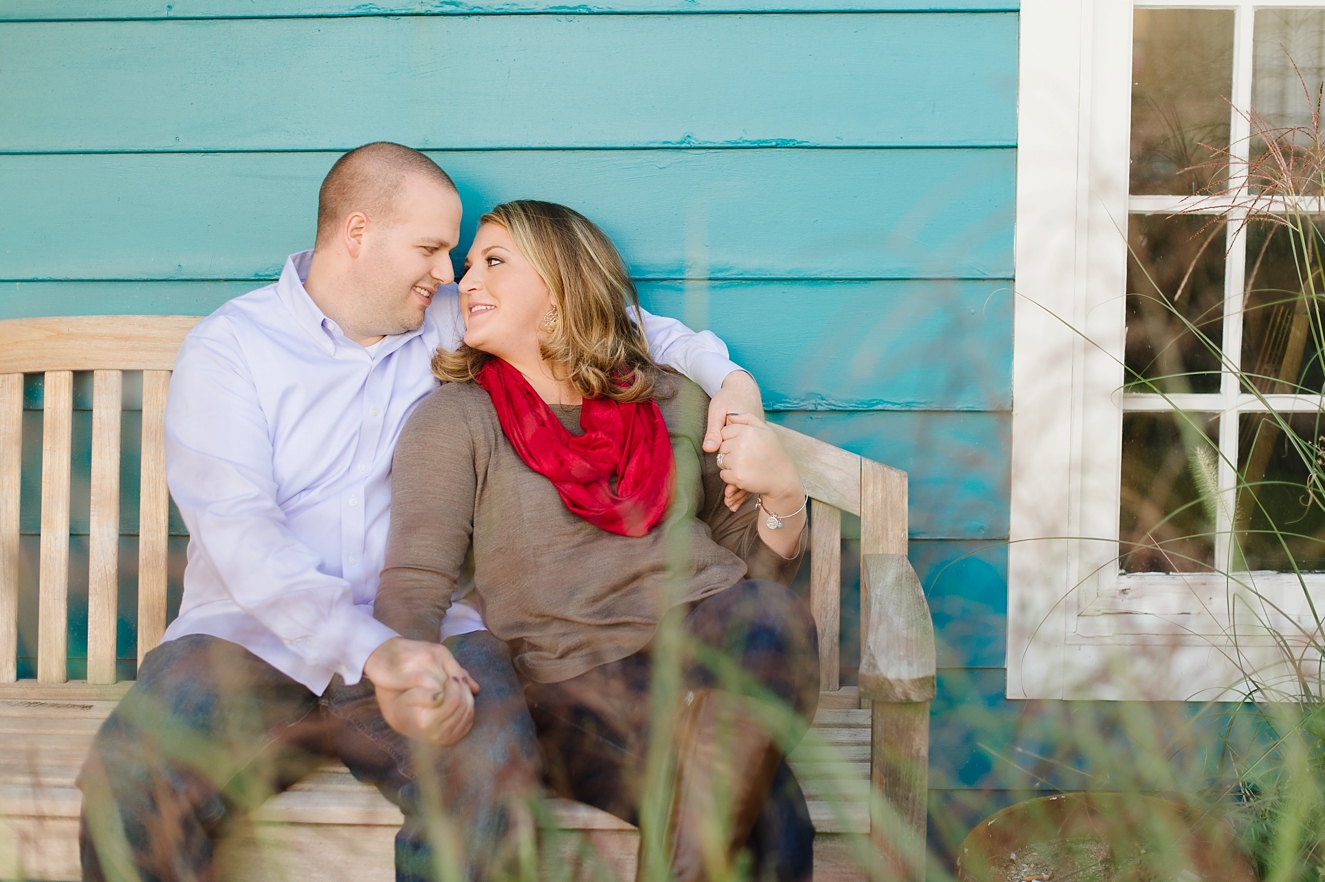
x=444, y=272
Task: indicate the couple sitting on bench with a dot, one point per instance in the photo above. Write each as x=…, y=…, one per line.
x=613, y=528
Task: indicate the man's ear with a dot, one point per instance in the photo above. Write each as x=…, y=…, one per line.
x=356, y=225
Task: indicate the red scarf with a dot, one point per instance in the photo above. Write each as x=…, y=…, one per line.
x=617, y=475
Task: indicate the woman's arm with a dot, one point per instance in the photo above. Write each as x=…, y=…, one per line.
x=432, y=513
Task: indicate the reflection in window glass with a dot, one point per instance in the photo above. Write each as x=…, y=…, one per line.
x=1280, y=518
x=1182, y=75
x=1169, y=498
x=1287, y=75
x=1282, y=329
x=1288, y=42
x=1175, y=303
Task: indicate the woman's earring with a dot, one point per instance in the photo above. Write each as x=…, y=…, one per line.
x=550, y=320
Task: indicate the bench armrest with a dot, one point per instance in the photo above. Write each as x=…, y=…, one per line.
x=897, y=662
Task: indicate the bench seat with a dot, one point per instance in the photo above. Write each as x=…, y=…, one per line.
x=46, y=740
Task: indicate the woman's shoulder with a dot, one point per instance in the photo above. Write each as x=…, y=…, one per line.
x=452, y=403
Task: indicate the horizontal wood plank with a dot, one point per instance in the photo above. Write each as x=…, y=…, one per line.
x=882, y=345
x=833, y=346
x=654, y=81
x=766, y=213
x=175, y=10
x=74, y=692
x=91, y=343
x=956, y=463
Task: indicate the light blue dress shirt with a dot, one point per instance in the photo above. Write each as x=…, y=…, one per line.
x=279, y=435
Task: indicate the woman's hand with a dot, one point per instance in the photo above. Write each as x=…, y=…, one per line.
x=739, y=394
x=422, y=691
x=752, y=459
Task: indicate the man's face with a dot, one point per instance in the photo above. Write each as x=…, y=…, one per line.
x=405, y=259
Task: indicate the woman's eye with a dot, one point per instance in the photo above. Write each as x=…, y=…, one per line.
x=493, y=261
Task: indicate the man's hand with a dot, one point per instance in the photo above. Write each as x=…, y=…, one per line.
x=739, y=394
x=422, y=690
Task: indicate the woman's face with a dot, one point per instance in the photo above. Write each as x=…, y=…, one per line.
x=502, y=297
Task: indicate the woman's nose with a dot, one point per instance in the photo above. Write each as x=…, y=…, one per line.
x=468, y=282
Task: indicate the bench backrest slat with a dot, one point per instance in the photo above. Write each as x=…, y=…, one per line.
x=153, y=515
x=11, y=482
x=826, y=589
x=104, y=527
x=53, y=578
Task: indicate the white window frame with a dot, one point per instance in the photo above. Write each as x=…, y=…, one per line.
x=1077, y=628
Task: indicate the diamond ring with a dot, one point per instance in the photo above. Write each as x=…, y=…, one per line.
x=720, y=460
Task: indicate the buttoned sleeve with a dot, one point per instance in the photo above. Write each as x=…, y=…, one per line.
x=699, y=355
x=220, y=468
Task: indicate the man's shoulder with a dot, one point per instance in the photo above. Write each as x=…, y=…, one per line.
x=256, y=312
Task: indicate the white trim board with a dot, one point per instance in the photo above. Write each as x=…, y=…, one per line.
x=1076, y=627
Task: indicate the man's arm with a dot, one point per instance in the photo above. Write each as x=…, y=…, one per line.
x=219, y=465
x=702, y=357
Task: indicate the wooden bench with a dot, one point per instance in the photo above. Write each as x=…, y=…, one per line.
x=863, y=765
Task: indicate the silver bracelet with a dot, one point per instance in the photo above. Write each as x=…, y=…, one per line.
x=774, y=521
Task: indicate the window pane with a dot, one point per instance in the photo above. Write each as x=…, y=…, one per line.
x=1182, y=75
x=1287, y=74
x=1282, y=328
x=1170, y=464
x=1175, y=303
x=1281, y=505
x=1284, y=38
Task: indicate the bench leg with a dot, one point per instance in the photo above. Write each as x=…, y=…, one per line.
x=899, y=789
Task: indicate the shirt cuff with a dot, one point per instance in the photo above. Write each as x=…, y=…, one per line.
x=709, y=369
x=350, y=636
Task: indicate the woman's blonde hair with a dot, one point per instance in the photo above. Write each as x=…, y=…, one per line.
x=602, y=352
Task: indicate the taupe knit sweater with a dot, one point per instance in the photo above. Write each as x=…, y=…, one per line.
x=564, y=594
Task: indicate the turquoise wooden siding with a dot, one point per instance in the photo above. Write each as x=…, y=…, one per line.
x=827, y=184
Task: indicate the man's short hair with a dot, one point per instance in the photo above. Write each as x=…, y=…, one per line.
x=367, y=179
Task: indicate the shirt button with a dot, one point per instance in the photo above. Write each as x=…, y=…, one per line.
x=361, y=467
x=373, y=411
x=353, y=502
x=353, y=560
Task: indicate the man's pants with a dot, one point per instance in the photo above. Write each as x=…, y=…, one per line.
x=209, y=732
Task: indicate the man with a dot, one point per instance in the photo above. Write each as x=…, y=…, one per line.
x=283, y=413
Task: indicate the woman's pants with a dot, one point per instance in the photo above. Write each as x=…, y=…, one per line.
x=756, y=638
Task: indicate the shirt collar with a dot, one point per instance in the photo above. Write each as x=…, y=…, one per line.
x=324, y=332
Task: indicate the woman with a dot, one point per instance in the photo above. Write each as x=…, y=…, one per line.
x=567, y=468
